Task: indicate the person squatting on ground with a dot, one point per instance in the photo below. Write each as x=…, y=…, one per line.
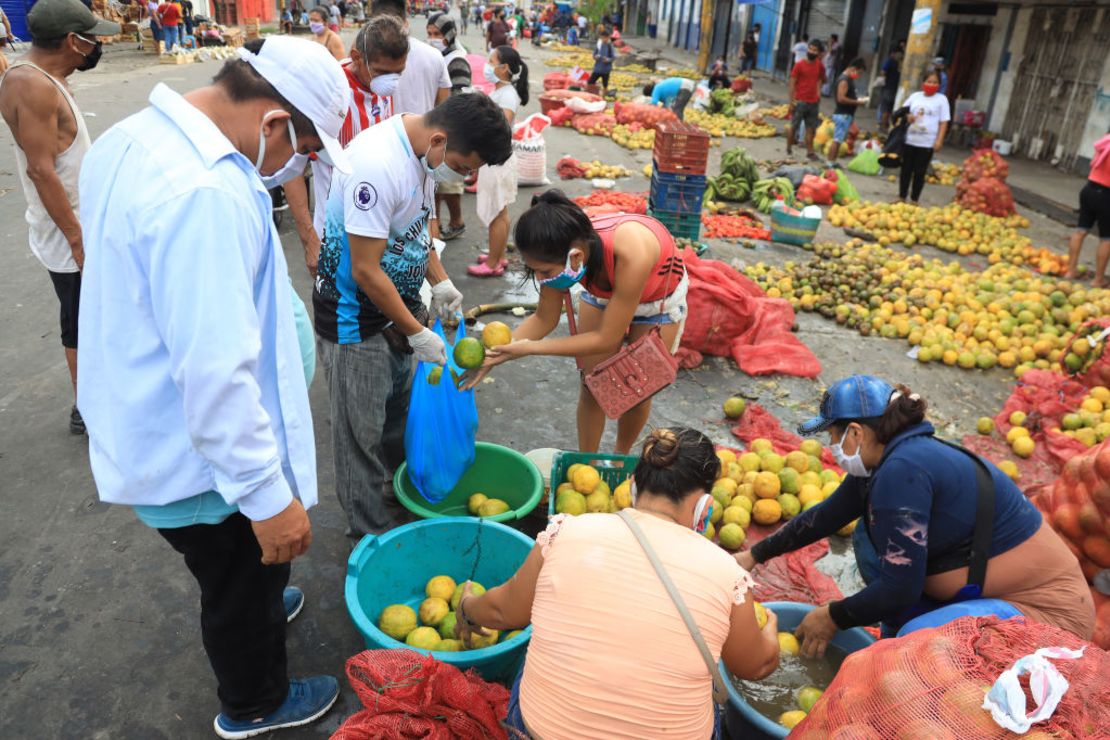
x=194, y=418
x=50, y=141
x=635, y=282
x=371, y=325
x=497, y=184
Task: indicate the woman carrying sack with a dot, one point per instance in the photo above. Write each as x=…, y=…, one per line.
x=635, y=285
x=630, y=651
x=497, y=183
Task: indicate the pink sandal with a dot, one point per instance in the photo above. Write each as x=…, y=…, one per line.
x=484, y=270
x=483, y=258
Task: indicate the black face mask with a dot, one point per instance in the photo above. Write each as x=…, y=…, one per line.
x=92, y=58
x=811, y=57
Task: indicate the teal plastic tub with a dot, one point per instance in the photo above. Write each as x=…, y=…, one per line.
x=740, y=718
x=498, y=472
x=394, y=567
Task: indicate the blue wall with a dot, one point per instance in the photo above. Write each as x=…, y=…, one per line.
x=16, y=10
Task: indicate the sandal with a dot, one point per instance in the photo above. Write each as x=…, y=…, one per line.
x=484, y=270
x=483, y=258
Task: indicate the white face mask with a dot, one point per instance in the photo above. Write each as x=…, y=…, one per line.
x=438, y=44
x=262, y=144
x=294, y=167
x=490, y=73
x=852, y=464
x=442, y=172
x=384, y=85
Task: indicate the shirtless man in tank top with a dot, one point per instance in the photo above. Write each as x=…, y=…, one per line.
x=50, y=141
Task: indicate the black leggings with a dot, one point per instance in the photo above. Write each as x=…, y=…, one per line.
x=915, y=164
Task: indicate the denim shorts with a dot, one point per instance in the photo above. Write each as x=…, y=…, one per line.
x=842, y=122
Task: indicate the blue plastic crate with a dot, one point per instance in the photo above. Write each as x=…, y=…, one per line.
x=677, y=193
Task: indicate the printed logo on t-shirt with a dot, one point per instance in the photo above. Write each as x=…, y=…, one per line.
x=366, y=197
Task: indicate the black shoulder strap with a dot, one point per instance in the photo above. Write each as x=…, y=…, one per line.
x=983, y=532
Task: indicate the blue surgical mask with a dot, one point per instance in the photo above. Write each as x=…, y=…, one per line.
x=490, y=73
x=442, y=173
x=262, y=144
x=852, y=464
x=567, y=278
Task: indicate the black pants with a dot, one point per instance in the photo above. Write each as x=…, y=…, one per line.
x=915, y=165
x=242, y=617
x=680, y=100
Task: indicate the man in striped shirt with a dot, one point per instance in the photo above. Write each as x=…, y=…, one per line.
x=376, y=61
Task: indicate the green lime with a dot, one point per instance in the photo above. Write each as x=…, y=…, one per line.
x=469, y=353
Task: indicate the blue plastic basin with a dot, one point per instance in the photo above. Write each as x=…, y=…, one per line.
x=741, y=719
x=394, y=567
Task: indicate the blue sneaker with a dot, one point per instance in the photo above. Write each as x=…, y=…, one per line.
x=293, y=598
x=308, y=700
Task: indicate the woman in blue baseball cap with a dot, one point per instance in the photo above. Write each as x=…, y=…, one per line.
x=950, y=534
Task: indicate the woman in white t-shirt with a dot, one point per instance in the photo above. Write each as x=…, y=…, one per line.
x=928, y=119
x=497, y=183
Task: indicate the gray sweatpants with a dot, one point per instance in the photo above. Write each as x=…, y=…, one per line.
x=368, y=386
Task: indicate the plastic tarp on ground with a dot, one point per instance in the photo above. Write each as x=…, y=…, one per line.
x=730, y=315
x=406, y=694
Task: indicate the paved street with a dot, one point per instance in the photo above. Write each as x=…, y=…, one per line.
x=99, y=635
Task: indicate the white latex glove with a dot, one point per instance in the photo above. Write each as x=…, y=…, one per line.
x=428, y=347
x=865, y=101
x=446, y=299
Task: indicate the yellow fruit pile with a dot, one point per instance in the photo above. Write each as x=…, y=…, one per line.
x=943, y=174
x=629, y=139
x=599, y=169
x=435, y=629
x=764, y=487
x=574, y=57
x=720, y=125
x=951, y=228
x=1090, y=423
x=1002, y=316
x=623, y=81
x=777, y=111
x=584, y=491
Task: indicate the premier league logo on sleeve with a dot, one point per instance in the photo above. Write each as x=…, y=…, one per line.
x=365, y=196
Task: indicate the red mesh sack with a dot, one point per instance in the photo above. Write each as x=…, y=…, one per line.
x=758, y=423
x=929, y=685
x=556, y=81
x=407, y=694
x=987, y=195
x=612, y=201
x=568, y=94
x=817, y=190
x=1086, y=364
x=561, y=116
x=642, y=113
x=730, y=315
x=1045, y=397
x=794, y=577
x=1101, y=636
x=594, y=124
x=985, y=163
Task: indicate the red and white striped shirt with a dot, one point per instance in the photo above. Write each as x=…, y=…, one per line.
x=364, y=109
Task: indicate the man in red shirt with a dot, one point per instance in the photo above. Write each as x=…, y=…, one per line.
x=170, y=15
x=805, y=96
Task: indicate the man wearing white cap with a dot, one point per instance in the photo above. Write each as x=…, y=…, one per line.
x=190, y=376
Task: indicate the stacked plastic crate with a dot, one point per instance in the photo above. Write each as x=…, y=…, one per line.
x=680, y=158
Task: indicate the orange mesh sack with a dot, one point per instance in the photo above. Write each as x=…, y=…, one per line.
x=929, y=685
x=407, y=694
x=1088, y=365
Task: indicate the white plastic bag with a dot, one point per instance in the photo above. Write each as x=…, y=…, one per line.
x=1006, y=699
x=578, y=105
x=530, y=150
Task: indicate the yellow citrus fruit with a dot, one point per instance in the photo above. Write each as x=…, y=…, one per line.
x=744, y=501
x=985, y=425
x=434, y=375
x=726, y=457
x=847, y=529
x=571, y=470
x=433, y=610
x=1016, y=432
x=469, y=353
x=728, y=485
x=570, y=502
x=1023, y=446
x=476, y=589
x=474, y=502
x=1091, y=404
x=760, y=614
x=808, y=696
x=788, y=480
x=597, y=502
x=767, y=485
x=761, y=445
x=585, y=479
x=1102, y=393
x=397, y=621
x=749, y=477
x=810, y=492
x=790, y=505
x=737, y=515
x=788, y=644
x=811, y=447
x=749, y=461
x=766, y=511
x=797, y=460
x=495, y=334
x=772, y=463
x=440, y=587
x=829, y=488
x=734, y=407
x=448, y=646
x=1010, y=468
x=622, y=495
x=1017, y=418
x=425, y=638
x=492, y=507
x=447, y=626
x=731, y=536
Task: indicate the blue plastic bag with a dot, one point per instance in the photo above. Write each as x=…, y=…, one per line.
x=441, y=428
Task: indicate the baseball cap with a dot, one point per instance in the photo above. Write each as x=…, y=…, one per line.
x=854, y=397
x=53, y=19
x=309, y=77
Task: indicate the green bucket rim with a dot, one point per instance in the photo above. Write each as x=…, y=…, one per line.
x=520, y=512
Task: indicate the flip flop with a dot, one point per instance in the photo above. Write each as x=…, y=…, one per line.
x=483, y=258
x=484, y=270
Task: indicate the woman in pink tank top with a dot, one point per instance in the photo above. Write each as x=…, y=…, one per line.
x=634, y=282
x=610, y=657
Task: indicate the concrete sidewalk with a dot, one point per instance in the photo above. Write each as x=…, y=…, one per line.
x=1036, y=185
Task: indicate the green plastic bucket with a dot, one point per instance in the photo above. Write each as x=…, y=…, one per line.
x=613, y=469
x=393, y=568
x=498, y=472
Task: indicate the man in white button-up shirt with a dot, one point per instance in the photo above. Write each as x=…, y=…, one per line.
x=191, y=381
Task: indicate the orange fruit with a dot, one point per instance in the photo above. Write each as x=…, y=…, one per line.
x=767, y=486
x=766, y=511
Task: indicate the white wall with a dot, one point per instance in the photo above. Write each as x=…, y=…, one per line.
x=1006, y=83
x=1098, y=123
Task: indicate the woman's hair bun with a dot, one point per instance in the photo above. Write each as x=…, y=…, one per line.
x=661, y=448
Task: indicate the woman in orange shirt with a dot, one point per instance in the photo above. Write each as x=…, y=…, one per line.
x=610, y=656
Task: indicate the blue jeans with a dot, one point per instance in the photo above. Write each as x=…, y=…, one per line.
x=171, y=37
x=514, y=721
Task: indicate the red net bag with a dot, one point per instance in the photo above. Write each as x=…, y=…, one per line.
x=758, y=423
x=930, y=685
x=816, y=190
x=1084, y=362
x=556, y=81
x=647, y=115
x=594, y=124
x=407, y=694
x=730, y=315
x=985, y=163
x=987, y=195
x=1101, y=636
x=600, y=202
